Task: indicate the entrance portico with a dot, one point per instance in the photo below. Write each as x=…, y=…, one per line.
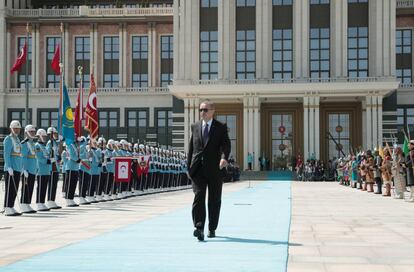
x=266, y=103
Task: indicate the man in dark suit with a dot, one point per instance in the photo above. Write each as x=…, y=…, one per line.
x=209, y=150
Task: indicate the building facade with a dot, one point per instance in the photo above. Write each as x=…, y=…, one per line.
x=310, y=77
x=289, y=77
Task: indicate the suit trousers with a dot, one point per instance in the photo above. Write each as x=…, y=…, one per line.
x=71, y=181
x=84, y=180
x=27, y=188
x=200, y=185
x=12, y=186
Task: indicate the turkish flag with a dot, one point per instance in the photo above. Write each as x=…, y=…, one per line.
x=56, y=61
x=79, y=113
x=143, y=165
x=122, y=169
x=21, y=59
x=92, y=120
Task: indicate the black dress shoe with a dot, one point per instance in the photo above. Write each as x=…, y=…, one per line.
x=211, y=234
x=199, y=233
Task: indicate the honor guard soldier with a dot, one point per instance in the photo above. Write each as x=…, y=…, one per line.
x=109, y=183
x=399, y=173
x=104, y=172
x=29, y=169
x=386, y=172
x=377, y=172
x=95, y=170
x=84, y=171
x=72, y=171
x=13, y=166
x=63, y=166
x=44, y=169
x=55, y=158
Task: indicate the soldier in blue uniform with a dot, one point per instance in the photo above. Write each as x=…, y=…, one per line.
x=63, y=167
x=103, y=170
x=53, y=148
x=84, y=171
x=108, y=158
x=95, y=170
x=72, y=172
x=29, y=169
x=44, y=169
x=13, y=166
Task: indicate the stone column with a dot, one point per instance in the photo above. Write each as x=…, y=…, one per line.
x=311, y=126
x=374, y=122
x=155, y=56
x=259, y=38
x=339, y=34
x=379, y=128
x=256, y=130
x=35, y=60
x=250, y=129
x=301, y=38
x=305, y=128
x=65, y=53
x=195, y=40
x=245, y=129
x=124, y=56
x=317, y=127
x=3, y=70
x=187, y=125
x=267, y=39
x=8, y=58
x=121, y=54
x=150, y=56
x=226, y=39
x=368, y=122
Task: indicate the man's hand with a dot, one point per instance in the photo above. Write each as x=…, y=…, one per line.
x=25, y=173
x=10, y=171
x=223, y=163
x=188, y=175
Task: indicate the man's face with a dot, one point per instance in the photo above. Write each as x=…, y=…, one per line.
x=206, y=112
x=15, y=131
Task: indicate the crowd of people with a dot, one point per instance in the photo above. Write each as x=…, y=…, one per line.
x=87, y=164
x=387, y=171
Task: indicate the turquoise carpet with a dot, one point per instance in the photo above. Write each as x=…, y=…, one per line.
x=253, y=235
x=279, y=175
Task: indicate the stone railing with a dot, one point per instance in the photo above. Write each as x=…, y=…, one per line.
x=293, y=80
x=405, y=3
x=149, y=90
x=406, y=86
x=85, y=11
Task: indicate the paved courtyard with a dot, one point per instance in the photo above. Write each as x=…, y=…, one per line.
x=331, y=228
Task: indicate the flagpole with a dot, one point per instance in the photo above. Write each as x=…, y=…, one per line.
x=80, y=113
x=61, y=79
x=26, y=110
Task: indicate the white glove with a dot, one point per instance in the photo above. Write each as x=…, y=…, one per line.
x=25, y=173
x=60, y=138
x=52, y=160
x=10, y=171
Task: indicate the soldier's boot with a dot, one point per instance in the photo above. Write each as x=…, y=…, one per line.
x=387, y=190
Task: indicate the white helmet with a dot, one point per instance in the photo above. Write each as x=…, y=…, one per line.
x=123, y=142
x=29, y=128
x=30, y=131
x=141, y=146
x=135, y=146
x=41, y=132
x=15, y=124
x=51, y=130
x=101, y=140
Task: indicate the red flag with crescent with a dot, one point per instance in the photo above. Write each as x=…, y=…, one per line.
x=92, y=124
x=56, y=61
x=21, y=59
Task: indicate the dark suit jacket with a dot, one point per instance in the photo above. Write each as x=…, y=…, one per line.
x=206, y=158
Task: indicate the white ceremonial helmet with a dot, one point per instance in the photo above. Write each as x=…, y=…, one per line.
x=141, y=146
x=30, y=131
x=51, y=130
x=101, y=140
x=41, y=133
x=15, y=124
x=136, y=146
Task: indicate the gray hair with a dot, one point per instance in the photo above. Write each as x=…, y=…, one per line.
x=209, y=103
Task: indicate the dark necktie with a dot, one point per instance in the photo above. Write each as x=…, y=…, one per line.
x=205, y=134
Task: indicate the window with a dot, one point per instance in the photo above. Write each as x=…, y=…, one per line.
x=52, y=80
x=282, y=2
x=357, y=52
x=111, y=62
x=282, y=53
x=246, y=54
x=19, y=115
x=209, y=3
x=231, y=121
x=319, y=52
x=166, y=60
x=357, y=1
x=108, y=118
x=405, y=119
x=140, y=61
x=21, y=76
x=208, y=55
x=319, y=2
x=137, y=123
x=246, y=3
x=82, y=59
x=404, y=56
x=47, y=118
x=164, y=126
x=403, y=41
